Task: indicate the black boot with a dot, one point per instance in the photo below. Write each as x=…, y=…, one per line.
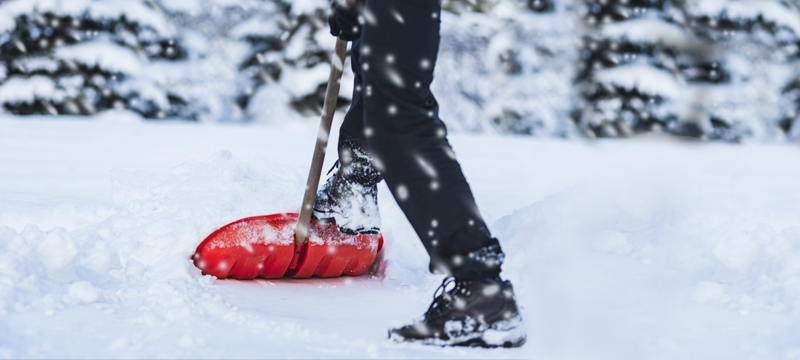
x=350, y=197
x=473, y=313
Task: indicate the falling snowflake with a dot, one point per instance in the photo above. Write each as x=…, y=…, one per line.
x=395, y=78
x=425, y=64
x=398, y=17
x=402, y=192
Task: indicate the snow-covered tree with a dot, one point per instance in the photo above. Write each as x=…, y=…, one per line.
x=752, y=52
x=255, y=60
x=84, y=56
x=790, y=124
x=712, y=69
x=211, y=70
x=506, y=66
x=718, y=70
x=289, y=58
x=631, y=76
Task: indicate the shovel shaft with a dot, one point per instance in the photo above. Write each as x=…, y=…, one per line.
x=328, y=109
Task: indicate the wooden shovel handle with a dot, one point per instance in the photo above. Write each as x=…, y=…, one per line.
x=328, y=109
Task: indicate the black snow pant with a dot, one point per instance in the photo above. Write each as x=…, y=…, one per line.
x=395, y=118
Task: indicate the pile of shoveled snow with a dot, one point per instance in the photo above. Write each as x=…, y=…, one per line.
x=148, y=237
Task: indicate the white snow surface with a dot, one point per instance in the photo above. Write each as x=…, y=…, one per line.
x=644, y=249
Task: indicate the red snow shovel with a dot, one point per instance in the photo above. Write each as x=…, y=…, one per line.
x=291, y=244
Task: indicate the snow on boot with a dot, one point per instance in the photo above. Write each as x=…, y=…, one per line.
x=350, y=197
x=473, y=313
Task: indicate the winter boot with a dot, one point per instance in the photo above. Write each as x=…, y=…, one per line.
x=473, y=313
x=350, y=197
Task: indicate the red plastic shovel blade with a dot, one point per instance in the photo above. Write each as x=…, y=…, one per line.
x=330, y=253
x=263, y=246
x=244, y=249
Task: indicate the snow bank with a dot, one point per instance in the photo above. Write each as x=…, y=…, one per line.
x=632, y=264
x=739, y=262
x=118, y=116
x=147, y=241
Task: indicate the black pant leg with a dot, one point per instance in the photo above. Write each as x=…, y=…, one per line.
x=351, y=133
x=408, y=140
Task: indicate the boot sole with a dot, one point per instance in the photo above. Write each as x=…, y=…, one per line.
x=474, y=342
x=506, y=334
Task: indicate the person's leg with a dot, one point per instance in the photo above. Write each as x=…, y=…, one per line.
x=351, y=133
x=408, y=140
x=409, y=145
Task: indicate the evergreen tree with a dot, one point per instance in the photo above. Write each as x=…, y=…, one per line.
x=721, y=70
x=290, y=58
x=632, y=69
x=712, y=70
x=506, y=66
x=214, y=34
x=80, y=57
x=256, y=60
x=753, y=46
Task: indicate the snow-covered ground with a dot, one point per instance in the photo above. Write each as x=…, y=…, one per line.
x=639, y=249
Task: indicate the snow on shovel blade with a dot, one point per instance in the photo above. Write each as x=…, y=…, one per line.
x=263, y=246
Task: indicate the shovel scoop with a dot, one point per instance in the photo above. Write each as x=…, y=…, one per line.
x=292, y=244
x=264, y=246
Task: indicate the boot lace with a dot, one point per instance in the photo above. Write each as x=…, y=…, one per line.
x=335, y=166
x=442, y=301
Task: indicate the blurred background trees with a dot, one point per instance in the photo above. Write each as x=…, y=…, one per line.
x=755, y=46
x=507, y=67
x=81, y=57
x=723, y=70
x=718, y=70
